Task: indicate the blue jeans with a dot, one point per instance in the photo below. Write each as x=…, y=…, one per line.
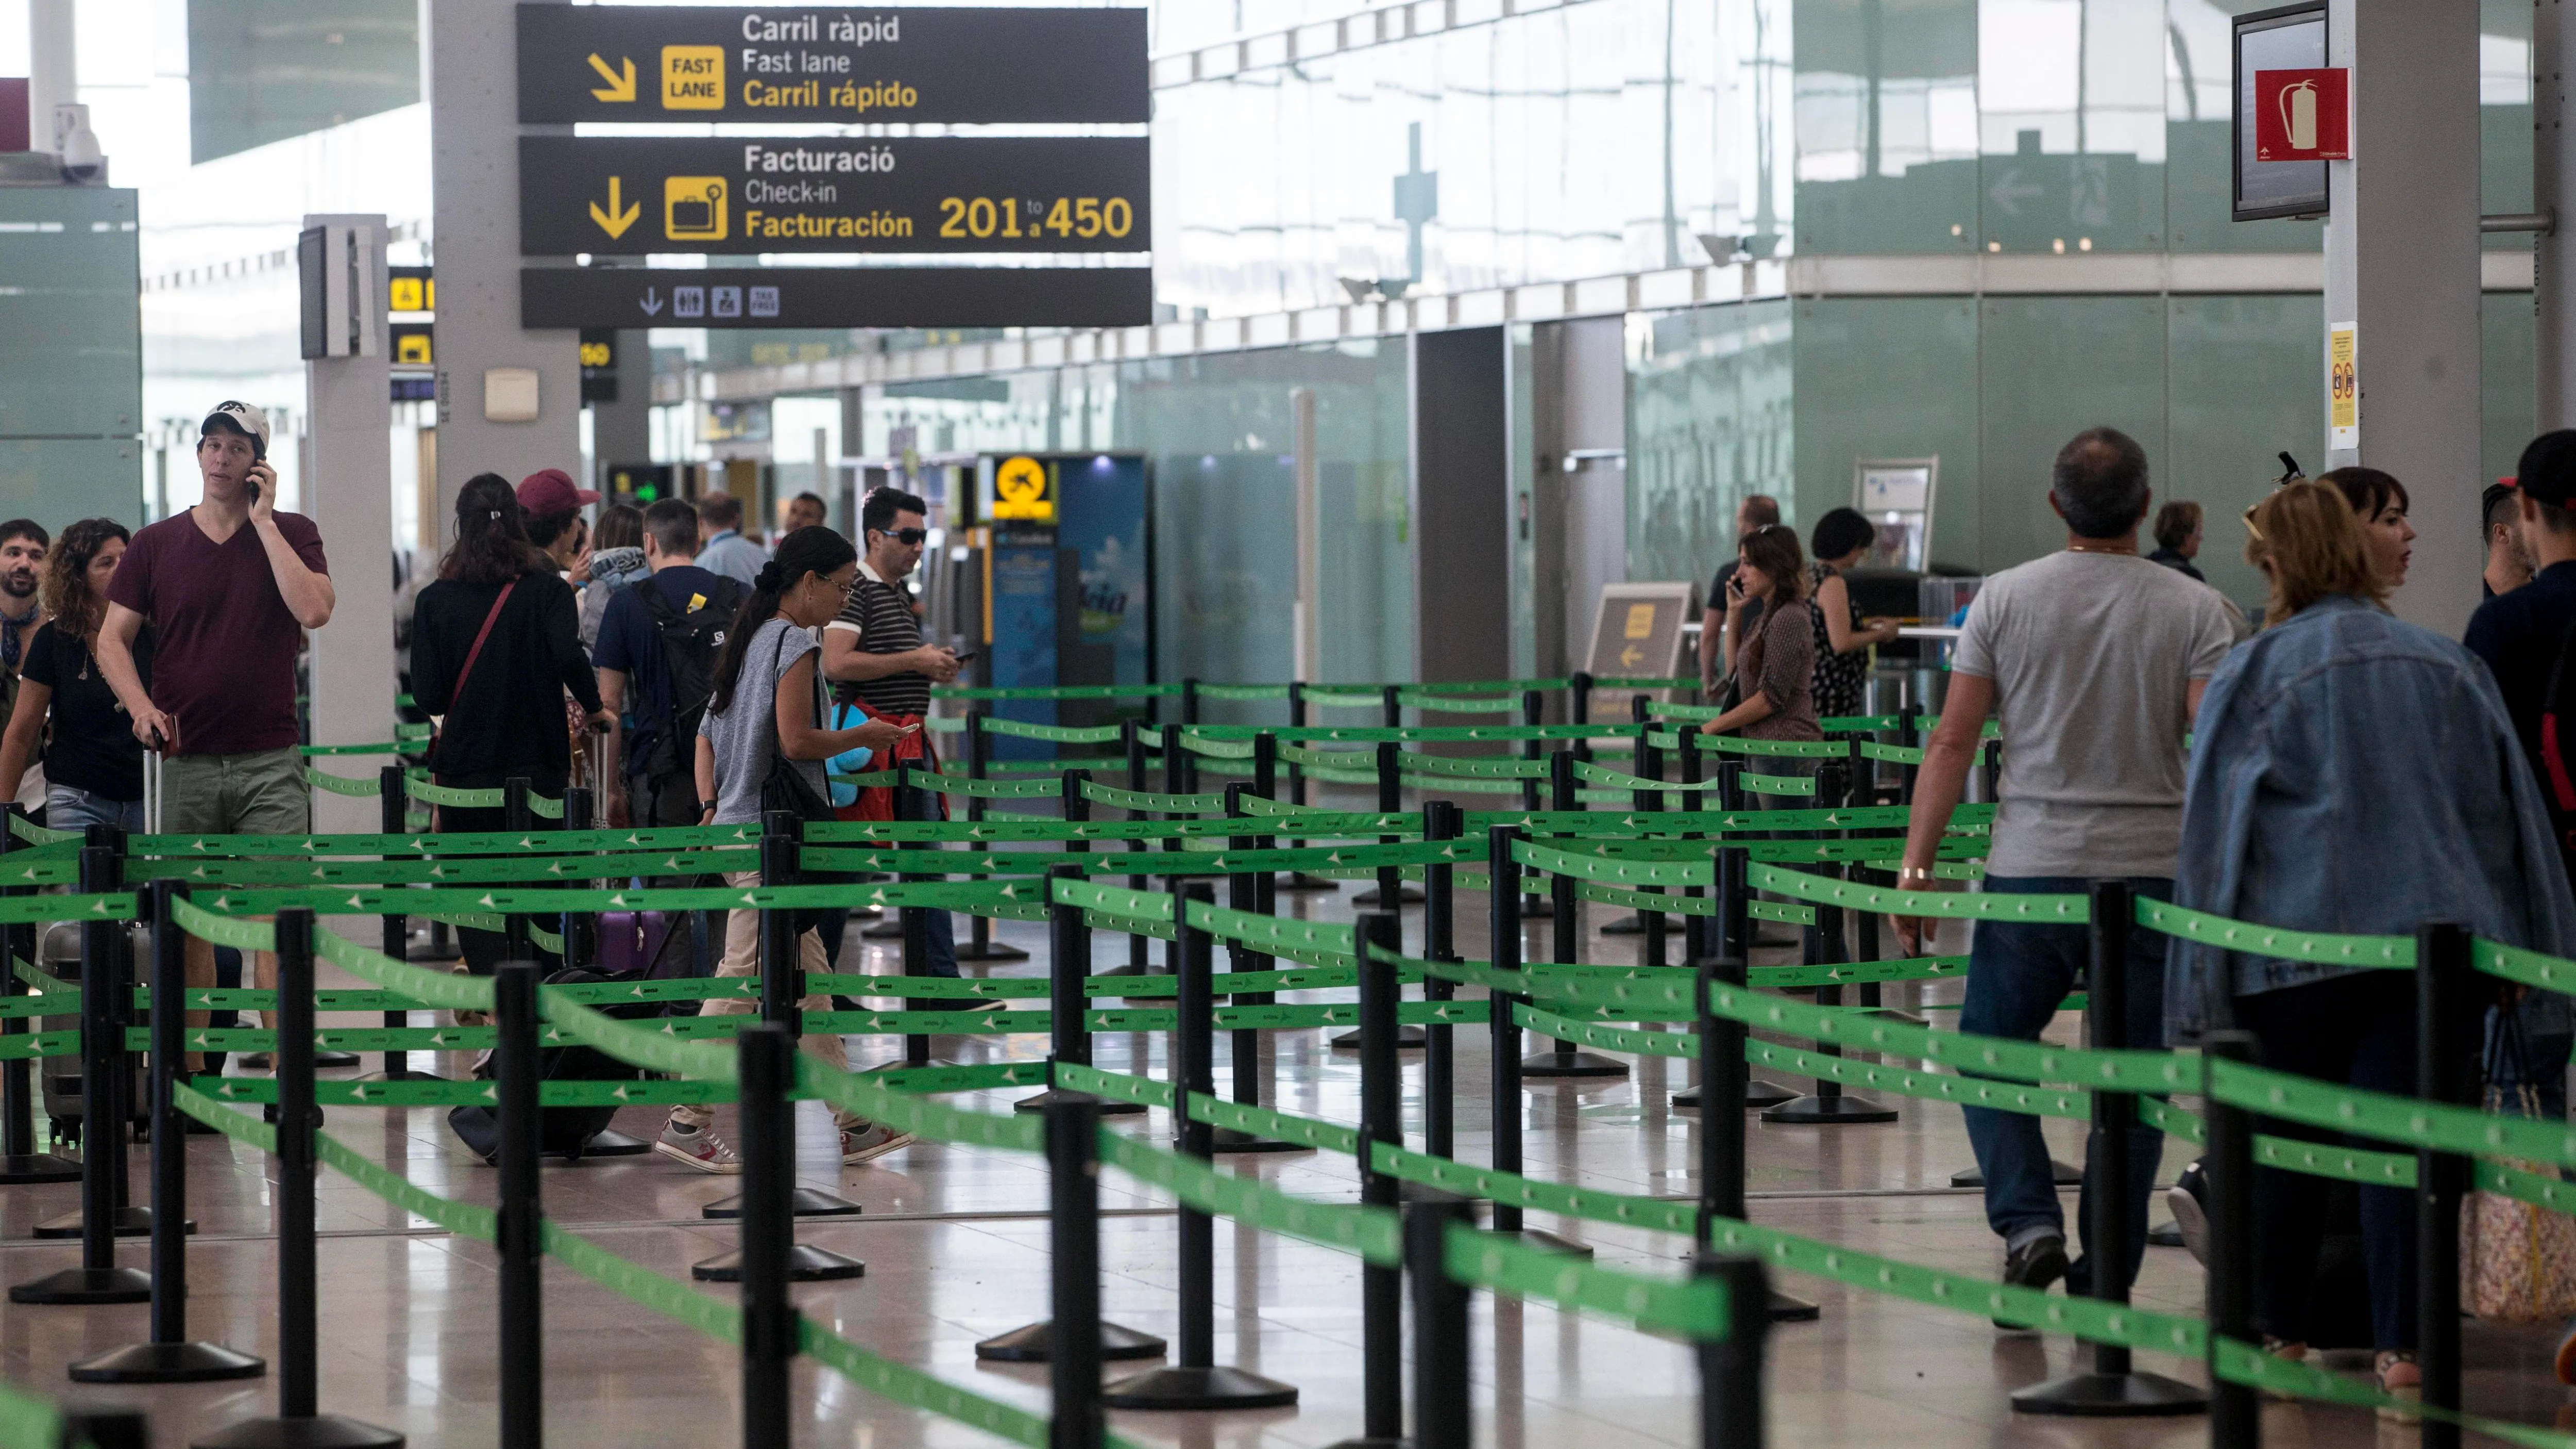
x=2017, y=975
x=68, y=807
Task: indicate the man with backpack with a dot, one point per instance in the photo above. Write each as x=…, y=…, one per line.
x=656, y=658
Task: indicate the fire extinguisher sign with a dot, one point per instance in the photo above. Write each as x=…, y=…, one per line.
x=2303, y=115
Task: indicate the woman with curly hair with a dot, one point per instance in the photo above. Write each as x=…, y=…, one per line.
x=93, y=763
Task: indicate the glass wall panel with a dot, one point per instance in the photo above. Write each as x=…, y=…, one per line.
x=1887, y=125
x=1890, y=377
x=2049, y=368
x=1709, y=421
x=2505, y=382
x=2246, y=382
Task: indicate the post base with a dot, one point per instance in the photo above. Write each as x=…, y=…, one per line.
x=132, y=1221
x=1109, y=1106
x=1570, y=1064
x=2063, y=1175
x=1297, y=881
x=329, y=1061
x=1365, y=1442
x=1408, y=1035
x=1759, y=1093
x=405, y=1075
x=1404, y=895
x=1537, y=908
x=1786, y=1309
x=24, y=1167
x=1197, y=1388
x=888, y=929
x=804, y=1265
x=613, y=1143
x=1630, y=925
x=804, y=1202
x=168, y=1363
x=989, y=951
x=322, y=1431
x=2111, y=1396
x=1543, y=1240
x=87, y=1285
x=1229, y=1139
x=1830, y=1112
x=1036, y=1343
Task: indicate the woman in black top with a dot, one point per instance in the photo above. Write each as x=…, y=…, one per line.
x=93, y=763
x=502, y=714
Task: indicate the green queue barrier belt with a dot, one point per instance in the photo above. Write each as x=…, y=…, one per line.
x=30, y=1422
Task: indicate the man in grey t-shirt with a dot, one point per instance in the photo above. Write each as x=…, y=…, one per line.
x=2094, y=659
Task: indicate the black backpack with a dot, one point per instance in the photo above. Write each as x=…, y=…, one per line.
x=561, y=1131
x=691, y=640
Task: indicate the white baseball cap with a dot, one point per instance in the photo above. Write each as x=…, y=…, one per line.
x=242, y=418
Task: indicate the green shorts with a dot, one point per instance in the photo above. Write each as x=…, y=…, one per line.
x=255, y=794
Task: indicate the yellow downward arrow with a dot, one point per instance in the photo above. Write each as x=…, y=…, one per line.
x=621, y=87
x=614, y=221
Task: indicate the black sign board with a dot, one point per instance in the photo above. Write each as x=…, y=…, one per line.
x=413, y=344
x=834, y=64
x=639, y=483
x=832, y=194
x=598, y=365
x=2289, y=37
x=603, y=297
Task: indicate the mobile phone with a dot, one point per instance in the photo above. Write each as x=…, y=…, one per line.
x=966, y=658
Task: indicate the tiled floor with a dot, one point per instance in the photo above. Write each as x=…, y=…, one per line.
x=955, y=1243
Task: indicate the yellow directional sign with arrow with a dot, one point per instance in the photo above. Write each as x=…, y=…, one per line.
x=616, y=219
x=621, y=84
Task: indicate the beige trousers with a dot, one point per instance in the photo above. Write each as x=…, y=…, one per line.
x=742, y=958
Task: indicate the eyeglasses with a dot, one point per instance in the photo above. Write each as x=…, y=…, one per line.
x=908, y=537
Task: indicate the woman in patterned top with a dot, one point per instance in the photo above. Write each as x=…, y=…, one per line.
x=1841, y=540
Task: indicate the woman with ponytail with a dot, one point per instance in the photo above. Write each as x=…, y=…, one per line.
x=495, y=644
x=767, y=708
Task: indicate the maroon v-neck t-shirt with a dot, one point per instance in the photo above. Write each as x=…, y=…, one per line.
x=224, y=665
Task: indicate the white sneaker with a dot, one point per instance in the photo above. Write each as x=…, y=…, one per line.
x=701, y=1148
x=870, y=1144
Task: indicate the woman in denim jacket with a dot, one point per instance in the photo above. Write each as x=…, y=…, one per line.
x=2350, y=773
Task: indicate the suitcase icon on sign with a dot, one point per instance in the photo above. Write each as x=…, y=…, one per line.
x=693, y=208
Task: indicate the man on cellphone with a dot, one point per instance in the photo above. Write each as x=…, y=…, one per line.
x=230, y=586
x=874, y=650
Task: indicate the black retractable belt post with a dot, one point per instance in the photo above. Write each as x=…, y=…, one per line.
x=20, y=1162
x=2113, y=1388
x=1561, y=1059
x=1533, y=714
x=516, y=943
x=1734, y=930
x=1074, y=1330
x=1440, y=822
x=1909, y=733
x=1197, y=1381
x=169, y=1357
x=1505, y=1035
x=1578, y=698
x=1381, y=1120
x=97, y=1224
x=1069, y=1044
x=1296, y=721
x=782, y=986
x=1390, y=890
x=103, y=1426
x=2235, y=1410
x=2444, y=987
x=766, y=1052
x=1190, y=701
x=1243, y=893
x=1132, y=736
x=1821, y=944
x=1724, y=1075
x=1441, y=1417
x=979, y=944
x=1730, y=1368
x=393, y=791
x=299, y=1421
x=520, y=1234
x=1650, y=766
x=579, y=928
x=913, y=803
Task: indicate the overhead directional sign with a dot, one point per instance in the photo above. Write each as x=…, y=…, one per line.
x=838, y=64
x=833, y=194
x=993, y=296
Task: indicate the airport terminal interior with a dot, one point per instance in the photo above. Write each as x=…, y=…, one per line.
x=1393, y=592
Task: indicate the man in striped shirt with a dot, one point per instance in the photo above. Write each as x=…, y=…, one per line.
x=874, y=652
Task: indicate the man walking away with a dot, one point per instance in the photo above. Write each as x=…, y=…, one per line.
x=2096, y=659
x=23, y=542
x=657, y=651
x=726, y=551
x=2509, y=564
x=874, y=650
x=230, y=585
x=1758, y=510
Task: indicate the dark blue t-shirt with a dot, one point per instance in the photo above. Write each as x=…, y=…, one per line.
x=2518, y=635
x=631, y=643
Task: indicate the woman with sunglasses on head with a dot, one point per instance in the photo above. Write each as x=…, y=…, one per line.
x=766, y=711
x=93, y=763
x=2342, y=723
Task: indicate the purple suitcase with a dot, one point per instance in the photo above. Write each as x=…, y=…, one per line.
x=635, y=944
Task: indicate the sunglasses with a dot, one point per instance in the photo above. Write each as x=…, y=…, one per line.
x=908, y=537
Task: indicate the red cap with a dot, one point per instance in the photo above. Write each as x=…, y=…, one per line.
x=549, y=491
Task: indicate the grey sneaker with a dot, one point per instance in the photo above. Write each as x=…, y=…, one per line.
x=700, y=1148
x=871, y=1143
